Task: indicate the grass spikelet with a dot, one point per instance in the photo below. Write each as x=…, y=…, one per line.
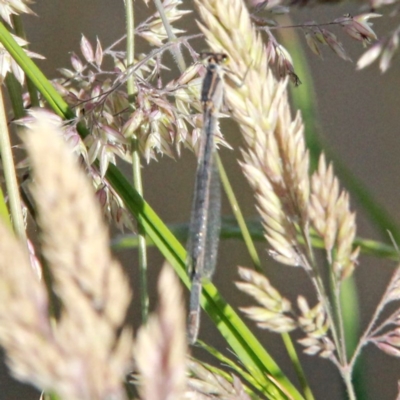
x=81, y=355
x=275, y=310
x=160, y=350
x=331, y=217
x=315, y=324
x=207, y=383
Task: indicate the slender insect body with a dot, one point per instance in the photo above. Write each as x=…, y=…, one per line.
x=205, y=221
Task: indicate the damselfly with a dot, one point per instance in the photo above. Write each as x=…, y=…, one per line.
x=205, y=221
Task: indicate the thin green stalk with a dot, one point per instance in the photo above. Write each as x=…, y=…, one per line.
x=324, y=298
x=171, y=36
x=15, y=95
x=335, y=288
x=239, y=216
x=142, y=247
x=337, y=309
x=4, y=214
x=136, y=167
x=10, y=176
x=312, y=268
x=19, y=30
x=130, y=44
x=291, y=350
x=349, y=384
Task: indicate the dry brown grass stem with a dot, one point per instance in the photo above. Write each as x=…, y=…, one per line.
x=160, y=350
x=80, y=356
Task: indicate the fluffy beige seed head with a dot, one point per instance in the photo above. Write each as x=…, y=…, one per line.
x=74, y=235
x=83, y=355
x=160, y=350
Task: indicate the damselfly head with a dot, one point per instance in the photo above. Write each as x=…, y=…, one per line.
x=214, y=58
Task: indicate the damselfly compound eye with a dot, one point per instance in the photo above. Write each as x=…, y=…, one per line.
x=213, y=58
x=224, y=58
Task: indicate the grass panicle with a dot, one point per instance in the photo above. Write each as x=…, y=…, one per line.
x=85, y=353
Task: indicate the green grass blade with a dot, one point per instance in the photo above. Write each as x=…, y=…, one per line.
x=4, y=214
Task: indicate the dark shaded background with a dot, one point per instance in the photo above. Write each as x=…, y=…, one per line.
x=358, y=117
